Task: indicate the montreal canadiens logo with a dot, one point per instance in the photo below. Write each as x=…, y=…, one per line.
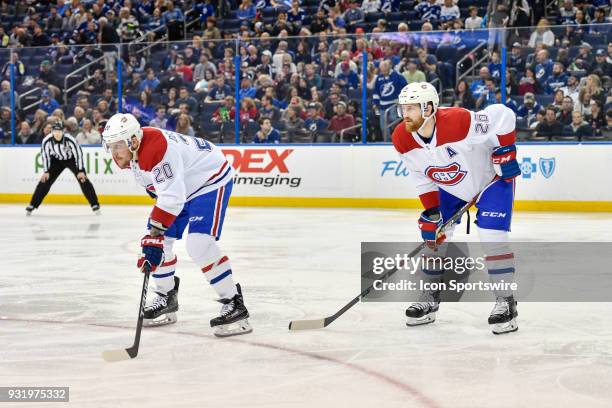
x=446, y=175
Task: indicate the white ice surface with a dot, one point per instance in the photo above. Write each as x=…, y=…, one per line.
x=69, y=289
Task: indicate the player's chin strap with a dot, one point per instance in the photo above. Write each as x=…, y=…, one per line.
x=426, y=118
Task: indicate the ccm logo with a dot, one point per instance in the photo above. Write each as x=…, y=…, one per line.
x=493, y=214
x=194, y=219
x=258, y=160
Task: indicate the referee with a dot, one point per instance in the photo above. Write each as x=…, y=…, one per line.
x=60, y=150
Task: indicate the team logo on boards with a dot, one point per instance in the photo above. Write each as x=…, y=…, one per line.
x=449, y=175
x=547, y=167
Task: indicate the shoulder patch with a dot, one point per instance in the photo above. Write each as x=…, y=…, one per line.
x=403, y=140
x=152, y=148
x=452, y=125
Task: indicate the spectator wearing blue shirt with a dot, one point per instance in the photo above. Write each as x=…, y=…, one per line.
x=267, y=133
x=529, y=108
x=247, y=90
x=353, y=15
x=296, y=14
x=263, y=4
x=205, y=9
x=478, y=86
x=487, y=97
x=347, y=79
x=172, y=14
x=246, y=11
x=428, y=10
x=510, y=103
x=387, y=87
x=517, y=60
x=543, y=67
x=389, y=6
x=218, y=91
x=314, y=123
x=597, y=24
x=567, y=13
x=48, y=103
x=336, y=20
x=557, y=80
x=495, y=66
x=173, y=18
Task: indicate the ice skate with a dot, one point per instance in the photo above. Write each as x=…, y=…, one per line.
x=96, y=209
x=233, y=319
x=420, y=313
x=29, y=210
x=503, y=316
x=162, y=311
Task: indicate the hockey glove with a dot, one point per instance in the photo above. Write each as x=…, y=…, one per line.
x=504, y=162
x=429, y=222
x=152, y=251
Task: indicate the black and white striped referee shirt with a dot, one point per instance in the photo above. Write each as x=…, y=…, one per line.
x=66, y=149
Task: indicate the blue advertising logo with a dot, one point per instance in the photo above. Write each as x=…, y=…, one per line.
x=395, y=167
x=547, y=167
x=527, y=167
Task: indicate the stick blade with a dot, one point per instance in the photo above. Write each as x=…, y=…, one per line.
x=115, y=355
x=306, y=324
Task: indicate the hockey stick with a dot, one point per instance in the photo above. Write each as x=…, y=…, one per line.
x=321, y=323
x=132, y=352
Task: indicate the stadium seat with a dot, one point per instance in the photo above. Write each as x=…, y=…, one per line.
x=406, y=5
x=395, y=17
x=544, y=100
x=595, y=39
x=373, y=17
x=268, y=12
x=410, y=15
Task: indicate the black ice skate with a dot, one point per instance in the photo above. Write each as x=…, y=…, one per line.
x=96, y=209
x=420, y=313
x=162, y=310
x=29, y=210
x=424, y=312
x=503, y=316
x=234, y=317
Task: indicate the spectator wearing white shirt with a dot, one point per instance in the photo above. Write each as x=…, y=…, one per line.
x=88, y=135
x=473, y=22
x=370, y=6
x=542, y=35
x=449, y=11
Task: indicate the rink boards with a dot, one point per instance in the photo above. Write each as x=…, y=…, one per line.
x=556, y=177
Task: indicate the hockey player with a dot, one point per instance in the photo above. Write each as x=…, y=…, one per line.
x=192, y=181
x=452, y=154
x=59, y=151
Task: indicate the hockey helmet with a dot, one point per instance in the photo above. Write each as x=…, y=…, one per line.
x=121, y=127
x=421, y=93
x=58, y=125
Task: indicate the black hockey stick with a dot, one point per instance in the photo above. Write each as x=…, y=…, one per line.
x=321, y=323
x=128, y=353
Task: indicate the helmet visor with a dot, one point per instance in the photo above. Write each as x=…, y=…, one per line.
x=408, y=110
x=117, y=146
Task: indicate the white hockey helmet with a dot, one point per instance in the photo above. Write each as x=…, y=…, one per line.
x=121, y=126
x=421, y=93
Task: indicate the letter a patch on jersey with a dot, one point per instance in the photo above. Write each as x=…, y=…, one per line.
x=450, y=152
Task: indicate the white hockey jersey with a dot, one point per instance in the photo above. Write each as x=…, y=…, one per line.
x=178, y=168
x=457, y=159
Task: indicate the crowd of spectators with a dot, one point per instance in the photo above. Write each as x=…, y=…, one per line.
x=301, y=65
